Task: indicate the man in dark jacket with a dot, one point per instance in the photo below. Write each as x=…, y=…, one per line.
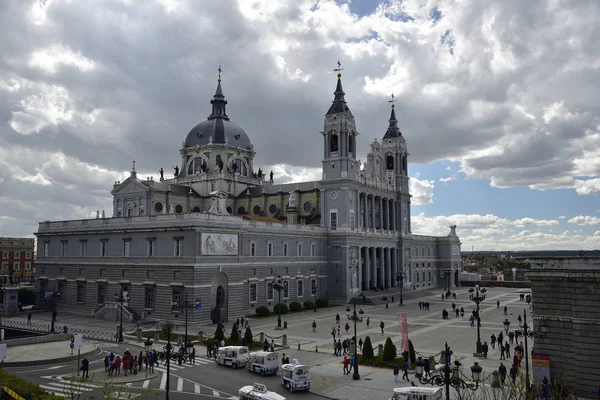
x=85, y=368
x=405, y=369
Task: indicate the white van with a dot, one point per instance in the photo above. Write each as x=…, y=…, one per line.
x=258, y=391
x=295, y=376
x=233, y=356
x=264, y=362
x=417, y=393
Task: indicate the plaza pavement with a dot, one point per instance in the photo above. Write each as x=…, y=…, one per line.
x=427, y=330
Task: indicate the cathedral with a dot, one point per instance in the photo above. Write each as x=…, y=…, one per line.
x=223, y=238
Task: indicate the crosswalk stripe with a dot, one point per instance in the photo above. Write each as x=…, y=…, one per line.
x=59, y=394
x=163, y=382
x=59, y=390
x=179, y=385
x=146, y=384
x=215, y=393
x=197, y=388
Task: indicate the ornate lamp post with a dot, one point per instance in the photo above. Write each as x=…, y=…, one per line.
x=279, y=285
x=355, y=318
x=506, y=324
x=445, y=379
x=525, y=330
x=187, y=305
x=315, y=294
x=400, y=281
x=54, y=296
x=168, y=349
x=120, y=297
x=447, y=283
x=478, y=299
x=2, y=293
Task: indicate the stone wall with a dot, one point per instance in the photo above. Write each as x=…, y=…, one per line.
x=568, y=301
x=55, y=337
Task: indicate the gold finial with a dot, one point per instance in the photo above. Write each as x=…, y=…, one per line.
x=220, y=70
x=339, y=69
x=393, y=100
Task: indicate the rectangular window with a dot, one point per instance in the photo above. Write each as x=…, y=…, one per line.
x=417, y=276
x=103, y=248
x=82, y=248
x=285, y=249
x=253, y=249
x=149, y=274
x=300, y=287
x=126, y=246
x=149, y=298
x=101, y=294
x=299, y=249
x=352, y=219
x=17, y=254
x=150, y=247
x=253, y=295
x=313, y=287
x=313, y=250
x=27, y=266
x=43, y=288
x=285, y=293
x=61, y=290
x=46, y=248
x=5, y=265
x=80, y=292
x=28, y=254
x=269, y=291
x=62, y=271
x=253, y=271
x=175, y=298
x=177, y=245
x=176, y=274
x=333, y=220
x=5, y=254
x=63, y=248
x=270, y=249
x=17, y=266
x=80, y=271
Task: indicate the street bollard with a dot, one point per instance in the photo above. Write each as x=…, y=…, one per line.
x=379, y=350
x=298, y=346
x=386, y=305
x=316, y=349
x=262, y=337
x=284, y=341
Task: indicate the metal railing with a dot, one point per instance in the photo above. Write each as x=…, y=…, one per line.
x=95, y=335
x=24, y=326
x=87, y=333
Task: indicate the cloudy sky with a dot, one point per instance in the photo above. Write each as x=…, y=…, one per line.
x=498, y=102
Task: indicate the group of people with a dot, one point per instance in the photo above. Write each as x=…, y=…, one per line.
x=113, y=363
x=424, y=305
x=343, y=347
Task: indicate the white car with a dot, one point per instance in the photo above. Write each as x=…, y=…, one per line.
x=258, y=391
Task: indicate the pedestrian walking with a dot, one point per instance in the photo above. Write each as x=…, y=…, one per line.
x=106, y=362
x=337, y=319
x=396, y=372
x=502, y=370
x=29, y=319
x=85, y=368
x=497, y=303
x=505, y=310
x=427, y=368
x=346, y=363
x=360, y=344
x=193, y=356
x=368, y=321
x=347, y=327
x=513, y=374
x=485, y=349
x=382, y=325
x=314, y=326
x=405, y=370
x=493, y=341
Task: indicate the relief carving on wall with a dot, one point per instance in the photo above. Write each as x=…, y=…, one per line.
x=218, y=244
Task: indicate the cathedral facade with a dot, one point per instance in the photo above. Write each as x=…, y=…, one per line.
x=218, y=234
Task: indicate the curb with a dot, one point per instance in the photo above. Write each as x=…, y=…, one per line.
x=323, y=395
x=94, y=352
x=138, y=378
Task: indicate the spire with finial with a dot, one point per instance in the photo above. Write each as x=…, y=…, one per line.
x=133, y=172
x=393, y=131
x=339, y=102
x=218, y=101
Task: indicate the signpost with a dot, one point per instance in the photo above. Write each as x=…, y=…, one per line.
x=77, y=343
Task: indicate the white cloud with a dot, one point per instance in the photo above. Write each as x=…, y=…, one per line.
x=562, y=217
x=448, y=179
x=535, y=222
x=587, y=187
x=584, y=220
x=421, y=190
x=53, y=57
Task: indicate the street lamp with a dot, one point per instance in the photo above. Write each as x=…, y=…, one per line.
x=355, y=318
x=315, y=294
x=527, y=332
x=506, y=324
x=477, y=299
x=279, y=285
x=186, y=306
x=2, y=293
x=54, y=296
x=445, y=379
x=447, y=283
x=168, y=348
x=120, y=297
x=400, y=281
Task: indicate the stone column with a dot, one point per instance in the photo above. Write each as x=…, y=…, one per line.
x=384, y=265
x=380, y=213
x=366, y=213
x=372, y=226
x=374, y=266
x=367, y=269
x=394, y=223
x=390, y=276
x=359, y=268
x=393, y=263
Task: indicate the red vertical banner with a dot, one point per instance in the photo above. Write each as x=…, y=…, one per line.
x=403, y=331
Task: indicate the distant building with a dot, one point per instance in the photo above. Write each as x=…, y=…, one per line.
x=566, y=297
x=18, y=253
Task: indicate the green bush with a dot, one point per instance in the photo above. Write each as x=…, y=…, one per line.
x=367, y=351
x=235, y=336
x=280, y=308
x=295, y=306
x=26, y=297
x=411, y=353
x=263, y=311
x=248, y=335
x=24, y=388
x=309, y=304
x=219, y=334
x=379, y=362
x=389, y=350
x=322, y=302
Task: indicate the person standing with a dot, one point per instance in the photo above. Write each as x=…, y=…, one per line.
x=502, y=370
x=505, y=310
x=493, y=341
x=513, y=374
x=193, y=356
x=485, y=349
x=29, y=319
x=368, y=321
x=337, y=319
x=85, y=368
x=314, y=326
x=346, y=363
x=427, y=368
x=382, y=325
x=396, y=372
x=497, y=303
x=360, y=344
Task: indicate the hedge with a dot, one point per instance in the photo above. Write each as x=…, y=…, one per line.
x=379, y=361
x=263, y=311
x=248, y=335
x=367, y=351
x=24, y=388
x=309, y=304
x=280, y=308
x=219, y=334
x=322, y=302
x=295, y=306
x=389, y=350
x=235, y=336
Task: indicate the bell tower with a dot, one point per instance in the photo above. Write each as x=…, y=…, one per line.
x=339, y=137
x=396, y=155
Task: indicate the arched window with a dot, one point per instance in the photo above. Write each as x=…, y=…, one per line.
x=333, y=143
x=351, y=144
x=238, y=164
x=197, y=165
x=389, y=162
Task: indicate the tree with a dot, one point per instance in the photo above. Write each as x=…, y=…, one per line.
x=389, y=350
x=219, y=334
x=234, y=337
x=367, y=351
x=248, y=336
x=411, y=353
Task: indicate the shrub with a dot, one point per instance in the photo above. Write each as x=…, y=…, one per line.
x=367, y=351
x=263, y=311
x=235, y=336
x=280, y=308
x=248, y=335
x=24, y=388
x=411, y=353
x=309, y=304
x=322, y=302
x=295, y=306
x=219, y=334
x=389, y=350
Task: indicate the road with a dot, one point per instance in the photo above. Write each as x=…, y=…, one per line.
x=204, y=380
